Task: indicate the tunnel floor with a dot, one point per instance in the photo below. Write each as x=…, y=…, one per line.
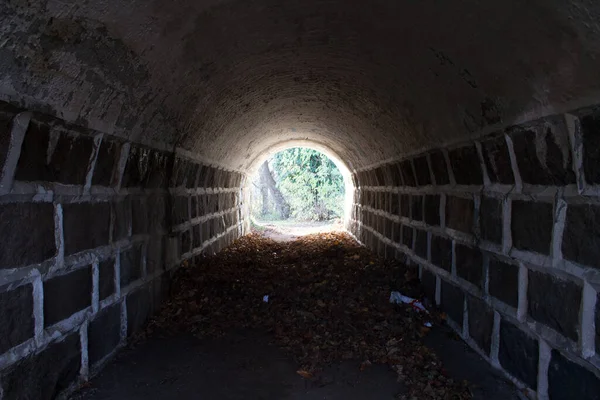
x=326, y=331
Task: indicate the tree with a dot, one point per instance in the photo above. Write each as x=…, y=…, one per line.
x=267, y=182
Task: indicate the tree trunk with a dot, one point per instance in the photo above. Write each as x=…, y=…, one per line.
x=264, y=195
x=282, y=206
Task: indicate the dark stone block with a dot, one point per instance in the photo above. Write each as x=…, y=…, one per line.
x=466, y=166
x=186, y=239
x=155, y=256
x=597, y=319
x=387, y=224
x=22, y=245
x=452, y=302
x=209, y=177
x=416, y=207
x=431, y=206
x=504, y=281
x=194, y=207
x=460, y=214
x=394, y=204
x=421, y=243
x=136, y=167
x=428, y=281
x=590, y=130
x=181, y=210
x=157, y=213
x=104, y=333
x=407, y=236
x=106, y=280
x=158, y=167
x=469, y=264
x=67, y=294
x=394, y=172
x=422, y=171
x=532, y=225
x=397, y=232
x=44, y=375
x=481, y=323
x=408, y=175
x=497, y=160
x=192, y=176
x=197, y=235
x=68, y=163
x=519, y=354
x=140, y=223
x=544, y=157
x=379, y=177
x=405, y=205
x=131, y=265
x=122, y=218
x=581, y=237
x=439, y=167
x=567, y=380
x=441, y=252
x=491, y=219
x=7, y=113
x=139, y=308
x=85, y=226
x=106, y=163
x=16, y=319
x=554, y=302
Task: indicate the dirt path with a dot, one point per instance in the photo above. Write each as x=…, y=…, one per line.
x=306, y=319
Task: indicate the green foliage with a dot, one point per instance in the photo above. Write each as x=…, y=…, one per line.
x=310, y=182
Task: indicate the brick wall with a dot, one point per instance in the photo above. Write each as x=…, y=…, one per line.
x=91, y=228
x=506, y=231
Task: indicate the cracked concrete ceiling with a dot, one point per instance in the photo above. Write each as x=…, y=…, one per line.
x=369, y=80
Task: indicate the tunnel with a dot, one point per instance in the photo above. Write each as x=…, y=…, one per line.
x=470, y=131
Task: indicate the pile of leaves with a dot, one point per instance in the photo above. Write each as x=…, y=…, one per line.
x=328, y=300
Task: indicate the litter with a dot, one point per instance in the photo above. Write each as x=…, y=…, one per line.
x=397, y=298
x=266, y=299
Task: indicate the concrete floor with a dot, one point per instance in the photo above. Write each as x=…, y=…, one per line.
x=244, y=365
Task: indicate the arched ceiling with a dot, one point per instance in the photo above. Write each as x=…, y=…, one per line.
x=370, y=80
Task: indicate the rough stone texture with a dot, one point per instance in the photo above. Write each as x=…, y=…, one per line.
x=518, y=354
x=441, y=252
x=405, y=205
x=22, y=245
x=407, y=236
x=7, y=113
x=504, y=281
x=421, y=243
x=581, y=236
x=466, y=166
x=568, y=380
x=460, y=213
x=408, y=175
x=590, y=127
x=554, y=302
x=64, y=295
x=452, y=300
x=428, y=281
x=16, y=319
x=106, y=163
x=431, y=207
x=469, y=264
x=85, y=226
x=140, y=223
x=532, y=225
x=497, y=160
x=122, y=218
x=131, y=265
x=481, y=322
x=44, y=375
x=490, y=216
x=416, y=207
x=156, y=252
x=422, y=171
x=439, y=168
x=106, y=278
x=104, y=333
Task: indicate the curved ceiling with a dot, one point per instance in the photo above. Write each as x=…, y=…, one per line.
x=369, y=80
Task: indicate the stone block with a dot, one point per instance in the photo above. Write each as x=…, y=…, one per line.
x=157, y=213
x=405, y=205
x=481, y=323
x=192, y=176
x=131, y=265
x=106, y=279
x=185, y=239
x=140, y=223
x=155, y=259
x=519, y=354
x=85, y=226
x=543, y=155
x=421, y=243
x=466, y=166
x=581, y=236
x=441, y=252
x=431, y=207
x=394, y=172
x=597, y=323
x=497, y=160
x=490, y=217
x=504, y=281
x=22, y=245
x=105, y=170
x=428, y=281
x=139, y=308
x=590, y=130
x=439, y=168
x=422, y=171
x=197, y=235
x=416, y=207
x=16, y=319
x=407, y=236
x=67, y=294
x=159, y=163
x=136, y=167
x=395, y=204
x=387, y=228
x=122, y=218
x=554, y=302
x=460, y=214
x=568, y=380
x=452, y=302
x=469, y=264
x=193, y=207
x=408, y=175
x=7, y=113
x=104, y=333
x=44, y=375
x=181, y=209
x=531, y=225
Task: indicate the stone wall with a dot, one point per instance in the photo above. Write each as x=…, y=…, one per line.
x=91, y=228
x=506, y=232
